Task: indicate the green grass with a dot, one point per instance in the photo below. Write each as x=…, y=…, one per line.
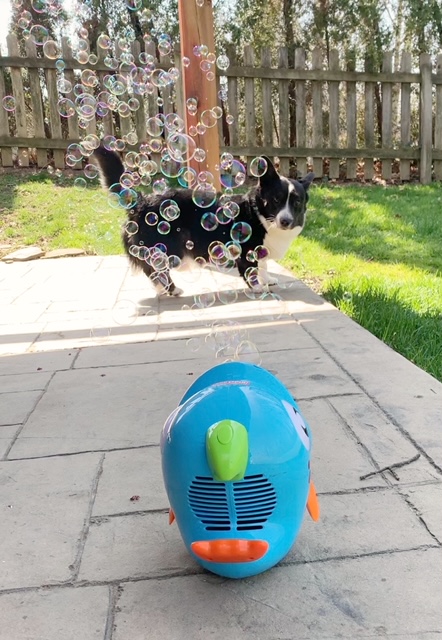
x=53, y=213
x=376, y=254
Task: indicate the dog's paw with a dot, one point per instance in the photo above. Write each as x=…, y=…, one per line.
x=176, y=292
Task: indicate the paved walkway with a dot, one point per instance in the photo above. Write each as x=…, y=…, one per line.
x=85, y=385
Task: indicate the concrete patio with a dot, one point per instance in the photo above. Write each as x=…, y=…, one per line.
x=92, y=363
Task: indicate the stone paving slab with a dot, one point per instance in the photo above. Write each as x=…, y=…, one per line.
x=385, y=443
x=134, y=546
x=404, y=392
x=16, y=407
x=54, y=614
x=366, y=597
x=426, y=500
x=127, y=474
x=7, y=435
x=25, y=381
x=359, y=524
x=104, y=408
x=338, y=460
x=44, y=507
x=37, y=362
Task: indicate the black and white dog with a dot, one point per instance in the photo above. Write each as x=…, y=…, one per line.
x=273, y=213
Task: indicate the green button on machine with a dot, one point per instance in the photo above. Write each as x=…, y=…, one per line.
x=227, y=449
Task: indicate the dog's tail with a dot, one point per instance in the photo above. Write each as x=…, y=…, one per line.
x=111, y=168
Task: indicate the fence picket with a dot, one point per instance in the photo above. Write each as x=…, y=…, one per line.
x=249, y=101
x=6, y=152
x=19, y=95
x=317, y=136
x=54, y=116
x=301, y=130
x=107, y=120
x=438, y=121
x=369, y=122
x=283, y=110
x=387, y=113
x=232, y=100
x=37, y=104
x=351, y=114
x=267, y=106
x=426, y=118
x=333, y=91
x=404, y=167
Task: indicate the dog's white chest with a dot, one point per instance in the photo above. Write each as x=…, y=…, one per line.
x=277, y=241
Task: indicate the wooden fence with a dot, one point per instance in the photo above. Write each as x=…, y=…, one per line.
x=338, y=119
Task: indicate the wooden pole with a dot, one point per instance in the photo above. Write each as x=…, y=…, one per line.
x=196, y=29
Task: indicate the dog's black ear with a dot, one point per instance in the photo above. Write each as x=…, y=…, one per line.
x=307, y=180
x=271, y=174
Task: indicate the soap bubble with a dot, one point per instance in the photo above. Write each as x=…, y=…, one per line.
x=104, y=41
x=204, y=195
x=38, y=34
x=169, y=167
x=181, y=147
x=209, y=221
x=80, y=183
x=189, y=245
x=24, y=20
x=205, y=299
x=163, y=227
x=131, y=227
x=159, y=186
x=233, y=250
x=228, y=296
x=151, y=218
x=174, y=262
x=223, y=62
x=251, y=255
x=232, y=175
x=51, y=50
x=187, y=178
x=261, y=252
x=240, y=232
x=258, y=167
x=39, y=6
x=193, y=344
x=134, y=5
x=64, y=86
x=128, y=198
x=251, y=276
x=169, y=210
x=9, y=103
x=154, y=126
x=247, y=351
x=91, y=171
x=208, y=118
x=124, y=312
x=272, y=306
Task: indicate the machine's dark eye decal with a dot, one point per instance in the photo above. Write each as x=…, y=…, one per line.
x=299, y=424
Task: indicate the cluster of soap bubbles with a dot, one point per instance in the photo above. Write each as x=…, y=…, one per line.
x=227, y=340
x=134, y=84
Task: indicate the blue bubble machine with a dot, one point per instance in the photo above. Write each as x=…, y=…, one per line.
x=236, y=467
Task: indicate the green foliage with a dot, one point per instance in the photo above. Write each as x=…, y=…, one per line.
x=375, y=254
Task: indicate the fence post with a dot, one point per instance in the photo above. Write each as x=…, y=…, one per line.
x=425, y=118
x=438, y=121
x=196, y=29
